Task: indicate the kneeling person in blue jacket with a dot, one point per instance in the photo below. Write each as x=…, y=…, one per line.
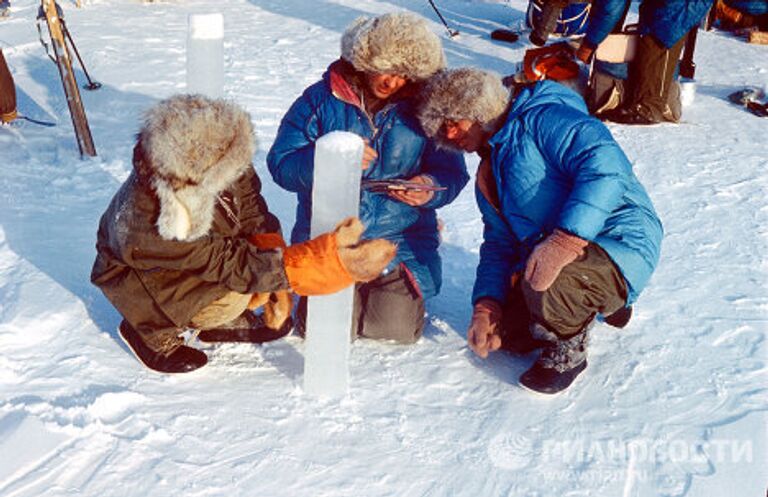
x=569, y=231
x=371, y=91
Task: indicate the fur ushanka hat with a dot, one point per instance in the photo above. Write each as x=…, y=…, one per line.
x=192, y=149
x=464, y=93
x=398, y=43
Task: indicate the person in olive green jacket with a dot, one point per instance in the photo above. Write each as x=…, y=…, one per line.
x=189, y=242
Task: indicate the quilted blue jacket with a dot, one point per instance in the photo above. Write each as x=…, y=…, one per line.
x=403, y=152
x=555, y=166
x=749, y=7
x=666, y=20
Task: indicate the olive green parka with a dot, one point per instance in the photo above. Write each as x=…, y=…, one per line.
x=174, y=237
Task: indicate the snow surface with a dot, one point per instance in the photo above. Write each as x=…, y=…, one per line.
x=673, y=405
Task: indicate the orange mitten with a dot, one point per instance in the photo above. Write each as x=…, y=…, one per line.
x=314, y=267
x=333, y=261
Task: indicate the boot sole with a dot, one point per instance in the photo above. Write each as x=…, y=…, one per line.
x=140, y=361
x=257, y=335
x=553, y=394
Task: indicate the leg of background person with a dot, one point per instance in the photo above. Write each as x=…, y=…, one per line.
x=7, y=92
x=652, y=73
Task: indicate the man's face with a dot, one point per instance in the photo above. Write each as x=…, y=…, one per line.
x=384, y=86
x=464, y=134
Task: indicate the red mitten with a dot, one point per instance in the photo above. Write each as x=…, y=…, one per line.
x=550, y=257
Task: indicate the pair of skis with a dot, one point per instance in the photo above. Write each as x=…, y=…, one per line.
x=59, y=35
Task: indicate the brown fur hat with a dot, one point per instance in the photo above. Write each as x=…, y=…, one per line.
x=193, y=148
x=464, y=93
x=397, y=43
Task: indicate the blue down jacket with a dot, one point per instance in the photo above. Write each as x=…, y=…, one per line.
x=555, y=166
x=403, y=152
x=666, y=20
x=749, y=7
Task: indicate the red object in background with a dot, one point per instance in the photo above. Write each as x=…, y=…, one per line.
x=555, y=62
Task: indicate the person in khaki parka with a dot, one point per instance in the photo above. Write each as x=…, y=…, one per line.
x=189, y=242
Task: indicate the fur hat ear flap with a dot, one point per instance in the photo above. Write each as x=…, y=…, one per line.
x=398, y=43
x=464, y=93
x=173, y=222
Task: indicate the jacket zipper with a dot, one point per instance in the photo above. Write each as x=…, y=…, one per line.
x=228, y=212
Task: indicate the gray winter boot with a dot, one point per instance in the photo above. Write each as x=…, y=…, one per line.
x=560, y=362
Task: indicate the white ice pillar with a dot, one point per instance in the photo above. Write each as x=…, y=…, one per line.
x=335, y=196
x=205, y=55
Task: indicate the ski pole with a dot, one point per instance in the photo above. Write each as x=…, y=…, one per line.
x=92, y=85
x=451, y=32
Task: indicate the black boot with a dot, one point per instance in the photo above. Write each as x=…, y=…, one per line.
x=518, y=340
x=248, y=327
x=522, y=345
x=632, y=114
x=182, y=360
x=561, y=361
x=620, y=318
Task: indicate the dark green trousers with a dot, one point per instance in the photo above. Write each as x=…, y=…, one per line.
x=590, y=285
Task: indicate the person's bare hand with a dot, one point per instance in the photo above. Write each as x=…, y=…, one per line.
x=414, y=198
x=369, y=155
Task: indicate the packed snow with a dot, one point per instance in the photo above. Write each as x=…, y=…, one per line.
x=674, y=405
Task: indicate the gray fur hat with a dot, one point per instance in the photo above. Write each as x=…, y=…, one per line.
x=464, y=93
x=193, y=148
x=398, y=43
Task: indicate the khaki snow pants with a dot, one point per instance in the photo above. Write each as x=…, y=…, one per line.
x=221, y=311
